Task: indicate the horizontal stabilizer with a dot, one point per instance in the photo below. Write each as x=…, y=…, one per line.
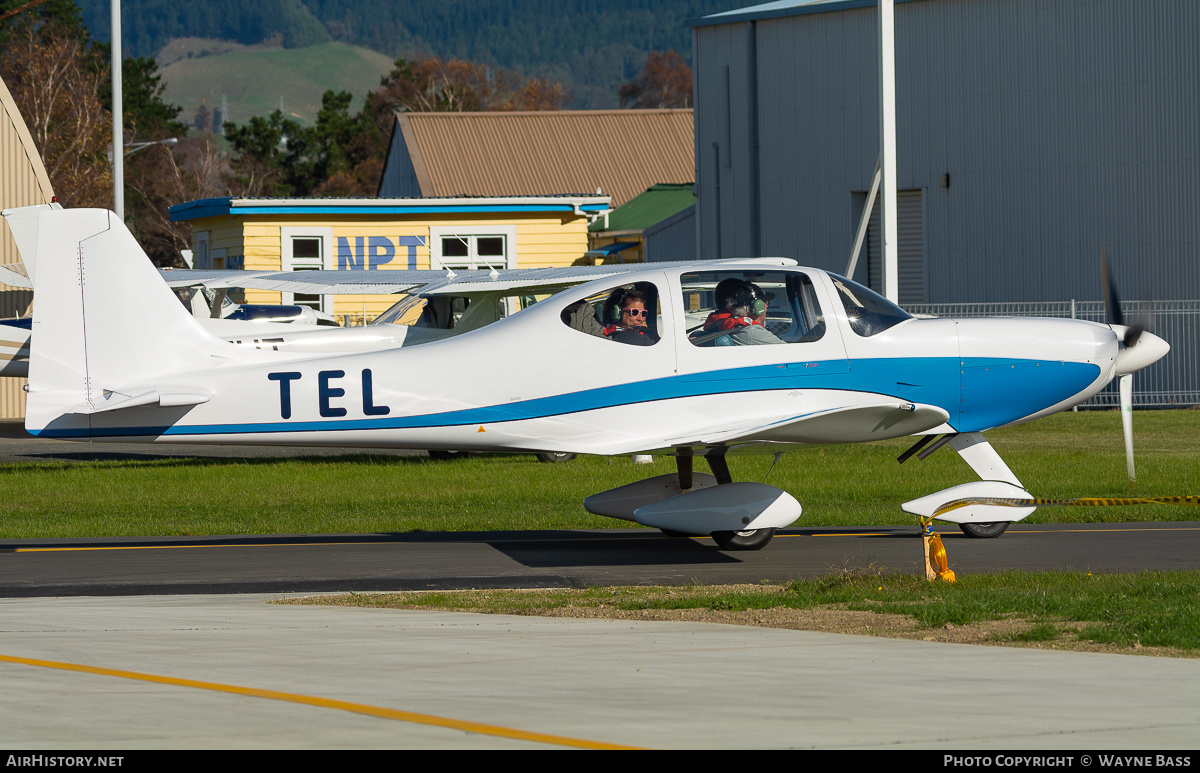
x=15, y=275
x=116, y=401
x=23, y=224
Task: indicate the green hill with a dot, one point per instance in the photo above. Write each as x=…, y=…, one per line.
x=590, y=48
x=253, y=81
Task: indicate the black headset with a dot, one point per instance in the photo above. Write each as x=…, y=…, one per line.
x=750, y=295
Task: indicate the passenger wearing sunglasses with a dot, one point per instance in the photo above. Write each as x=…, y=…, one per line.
x=626, y=315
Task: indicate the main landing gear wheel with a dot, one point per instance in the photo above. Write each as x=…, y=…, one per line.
x=551, y=458
x=983, y=530
x=755, y=539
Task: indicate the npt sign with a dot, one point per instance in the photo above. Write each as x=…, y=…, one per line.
x=371, y=252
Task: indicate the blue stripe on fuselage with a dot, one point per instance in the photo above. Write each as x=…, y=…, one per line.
x=977, y=393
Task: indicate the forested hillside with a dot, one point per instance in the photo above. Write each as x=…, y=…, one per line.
x=591, y=48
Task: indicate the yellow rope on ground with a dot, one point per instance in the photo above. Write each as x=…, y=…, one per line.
x=935, y=552
x=1081, y=502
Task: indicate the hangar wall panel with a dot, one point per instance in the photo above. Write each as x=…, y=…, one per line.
x=722, y=157
x=673, y=239
x=1059, y=125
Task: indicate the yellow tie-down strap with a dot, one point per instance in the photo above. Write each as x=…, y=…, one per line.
x=1080, y=502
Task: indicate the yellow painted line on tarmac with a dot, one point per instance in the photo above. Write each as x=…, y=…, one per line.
x=853, y=534
x=192, y=547
x=327, y=703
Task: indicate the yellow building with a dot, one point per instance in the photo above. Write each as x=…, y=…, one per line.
x=456, y=233
x=23, y=183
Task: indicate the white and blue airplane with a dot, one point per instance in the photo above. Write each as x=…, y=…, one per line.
x=838, y=364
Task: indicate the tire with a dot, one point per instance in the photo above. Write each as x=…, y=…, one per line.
x=553, y=458
x=447, y=456
x=984, y=530
x=755, y=539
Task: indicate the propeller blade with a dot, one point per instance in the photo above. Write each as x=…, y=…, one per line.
x=1112, y=304
x=1125, y=385
x=1108, y=290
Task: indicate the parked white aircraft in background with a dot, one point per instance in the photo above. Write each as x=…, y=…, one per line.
x=848, y=367
x=210, y=306
x=230, y=323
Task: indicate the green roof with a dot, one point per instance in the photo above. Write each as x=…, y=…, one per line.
x=658, y=203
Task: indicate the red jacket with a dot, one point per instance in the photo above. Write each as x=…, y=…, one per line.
x=723, y=320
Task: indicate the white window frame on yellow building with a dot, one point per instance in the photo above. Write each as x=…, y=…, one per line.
x=287, y=237
x=203, y=242
x=471, y=234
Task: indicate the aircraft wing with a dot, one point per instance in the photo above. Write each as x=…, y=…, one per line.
x=852, y=424
x=199, y=277
x=428, y=282
x=314, y=282
x=517, y=279
x=337, y=282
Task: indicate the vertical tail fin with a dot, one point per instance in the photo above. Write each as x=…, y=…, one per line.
x=106, y=328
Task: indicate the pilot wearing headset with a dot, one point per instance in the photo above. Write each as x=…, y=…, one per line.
x=625, y=317
x=742, y=311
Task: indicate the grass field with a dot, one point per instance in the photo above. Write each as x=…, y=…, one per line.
x=1067, y=455
x=1073, y=610
x=254, y=81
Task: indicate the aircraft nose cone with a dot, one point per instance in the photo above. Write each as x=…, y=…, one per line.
x=1148, y=350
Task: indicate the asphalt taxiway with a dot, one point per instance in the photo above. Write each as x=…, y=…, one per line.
x=322, y=563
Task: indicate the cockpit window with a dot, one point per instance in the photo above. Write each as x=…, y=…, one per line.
x=748, y=308
x=435, y=311
x=405, y=311
x=628, y=314
x=868, y=312
x=199, y=300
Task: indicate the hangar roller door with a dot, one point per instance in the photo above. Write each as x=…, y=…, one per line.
x=911, y=233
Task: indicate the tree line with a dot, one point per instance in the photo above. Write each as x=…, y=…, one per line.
x=591, y=49
x=60, y=79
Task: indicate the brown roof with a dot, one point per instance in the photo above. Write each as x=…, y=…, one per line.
x=622, y=152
